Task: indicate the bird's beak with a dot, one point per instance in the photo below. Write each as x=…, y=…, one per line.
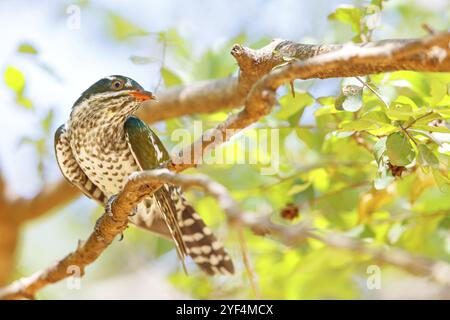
x=142, y=95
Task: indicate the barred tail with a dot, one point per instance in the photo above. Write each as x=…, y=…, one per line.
x=201, y=244
x=186, y=228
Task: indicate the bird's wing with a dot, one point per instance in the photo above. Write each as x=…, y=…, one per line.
x=147, y=149
x=150, y=153
x=187, y=229
x=71, y=170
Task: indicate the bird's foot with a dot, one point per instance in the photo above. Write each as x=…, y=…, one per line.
x=134, y=212
x=108, y=207
x=121, y=236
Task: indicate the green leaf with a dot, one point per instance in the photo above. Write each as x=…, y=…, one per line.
x=400, y=111
x=295, y=118
x=445, y=113
x=170, y=78
x=348, y=15
x=372, y=17
x=27, y=48
x=371, y=126
x=399, y=150
x=326, y=101
x=384, y=177
x=383, y=130
x=122, y=29
x=292, y=105
x=47, y=122
x=376, y=116
x=445, y=223
x=441, y=129
x=426, y=157
x=438, y=90
x=367, y=232
x=350, y=98
x=383, y=124
x=379, y=149
x=404, y=100
x=297, y=188
x=14, y=79
x=24, y=102
x=358, y=125
x=378, y=3
x=216, y=63
x=176, y=43
x=425, y=119
x=442, y=180
x=399, y=115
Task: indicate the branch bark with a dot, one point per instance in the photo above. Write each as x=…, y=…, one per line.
x=426, y=54
x=141, y=184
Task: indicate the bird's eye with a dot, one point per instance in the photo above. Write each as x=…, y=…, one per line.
x=117, y=84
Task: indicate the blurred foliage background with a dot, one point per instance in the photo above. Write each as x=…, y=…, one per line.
x=345, y=163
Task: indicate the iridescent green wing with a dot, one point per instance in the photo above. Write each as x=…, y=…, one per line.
x=150, y=153
x=147, y=149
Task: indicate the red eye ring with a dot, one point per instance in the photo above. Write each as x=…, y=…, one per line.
x=117, y=84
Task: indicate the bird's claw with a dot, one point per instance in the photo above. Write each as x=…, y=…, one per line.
x=134, y=212
x=108, y=207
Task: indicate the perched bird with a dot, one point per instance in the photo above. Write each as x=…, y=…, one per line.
x=103, y=143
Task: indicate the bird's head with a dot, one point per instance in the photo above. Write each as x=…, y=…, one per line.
x=114, y=96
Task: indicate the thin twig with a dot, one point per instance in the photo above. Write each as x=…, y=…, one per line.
x=375, y=92
x=418, y=118
x=252, y=277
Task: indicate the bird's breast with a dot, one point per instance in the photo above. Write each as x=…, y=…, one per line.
x=106, y=159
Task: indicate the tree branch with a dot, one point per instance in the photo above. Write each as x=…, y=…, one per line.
x=141, y=184
x=426, y=54
x=49, y=198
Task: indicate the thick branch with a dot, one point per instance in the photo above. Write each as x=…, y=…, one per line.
x=49, y=198
x=106, y=228
x=203, y=97
x=427, y=54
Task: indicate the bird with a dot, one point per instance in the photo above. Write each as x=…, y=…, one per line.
x=103, y=143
